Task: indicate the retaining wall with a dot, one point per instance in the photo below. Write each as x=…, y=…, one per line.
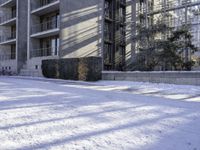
x=176, y=77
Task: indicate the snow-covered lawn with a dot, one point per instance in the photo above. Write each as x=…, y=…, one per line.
x=62, y=115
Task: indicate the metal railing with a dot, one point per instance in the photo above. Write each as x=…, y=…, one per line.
x=7, y=57
x=45, y=26
x=7, y=17
x=44, y=52
x=11, y=36
x=168, y=5
x=123, y=2
x=42, y=3
x=3, y=1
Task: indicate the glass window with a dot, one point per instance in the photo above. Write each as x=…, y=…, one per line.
x=107, y=53
x=108, y=9
x=13, y=52
x=107, y=31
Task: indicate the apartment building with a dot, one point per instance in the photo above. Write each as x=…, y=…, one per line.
x=43, y=38
x=34, y=30
x=176, y=13
x=13, y=34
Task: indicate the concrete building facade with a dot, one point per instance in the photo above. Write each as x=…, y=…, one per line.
x=13, y=39
x=35, y=30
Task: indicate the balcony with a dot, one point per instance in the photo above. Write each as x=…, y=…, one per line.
x=7, y=57
x=123, y=2
x=8, y=39
x=7, y=3
x=44, y=7
x=45, y=29
x=44, y=52
x=8, y=20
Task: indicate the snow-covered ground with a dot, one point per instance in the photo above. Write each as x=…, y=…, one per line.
x=63, y=115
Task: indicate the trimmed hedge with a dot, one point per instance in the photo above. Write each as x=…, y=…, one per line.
x=86, y=69
x=50, y=68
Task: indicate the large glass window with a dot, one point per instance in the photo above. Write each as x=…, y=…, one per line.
x=13, y=52
x=13, y=12
x=13, y=32
x=49, y=46
x=107, y=31
x=114, y=32
x=50, y=21
x=122, y=14
x=45, y=2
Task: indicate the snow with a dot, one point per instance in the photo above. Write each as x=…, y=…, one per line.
x=46, y=114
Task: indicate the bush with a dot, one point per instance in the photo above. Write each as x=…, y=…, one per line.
x=86, y=69
x=68, y=68
x=50, y=68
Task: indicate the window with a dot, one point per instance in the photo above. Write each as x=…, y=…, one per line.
x=13, y=32
x=107, y=54
x=122, y=14
x=13, y=12
x=122, y=35
x=107, y=31
x=49, y=46
x=108, y=9
x=50, y=21
x=13, y=52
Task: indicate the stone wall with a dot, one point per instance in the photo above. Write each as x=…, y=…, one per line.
x=182, y=78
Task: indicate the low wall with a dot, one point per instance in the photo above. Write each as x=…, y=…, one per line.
x=176, y=77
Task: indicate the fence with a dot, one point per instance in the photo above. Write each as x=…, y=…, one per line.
x=45, y=26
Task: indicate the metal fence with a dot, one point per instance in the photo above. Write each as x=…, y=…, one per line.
x=6, y=18
x=42, y=3
x=45, y=26
x=8, y=37
x=43, y=52
x=7, y=57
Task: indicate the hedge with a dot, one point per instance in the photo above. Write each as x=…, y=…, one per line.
x=86, y=69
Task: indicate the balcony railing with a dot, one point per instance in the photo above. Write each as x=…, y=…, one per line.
x=43, y=3
x=45, y=26
x=123, y=2
x=171, y=4
x=44, y=52
x=3, y=1
x=6, y=18
x=7, y=57
x=9, y=37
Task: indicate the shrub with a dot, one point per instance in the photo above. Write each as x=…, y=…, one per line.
x=50, y=68
x=86, y=69
x=68, y=68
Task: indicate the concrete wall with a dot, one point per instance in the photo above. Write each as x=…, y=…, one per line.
x=9, y=65
x=37, y=61
x=81, y=28
x=22, y=11
x=182, y=78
